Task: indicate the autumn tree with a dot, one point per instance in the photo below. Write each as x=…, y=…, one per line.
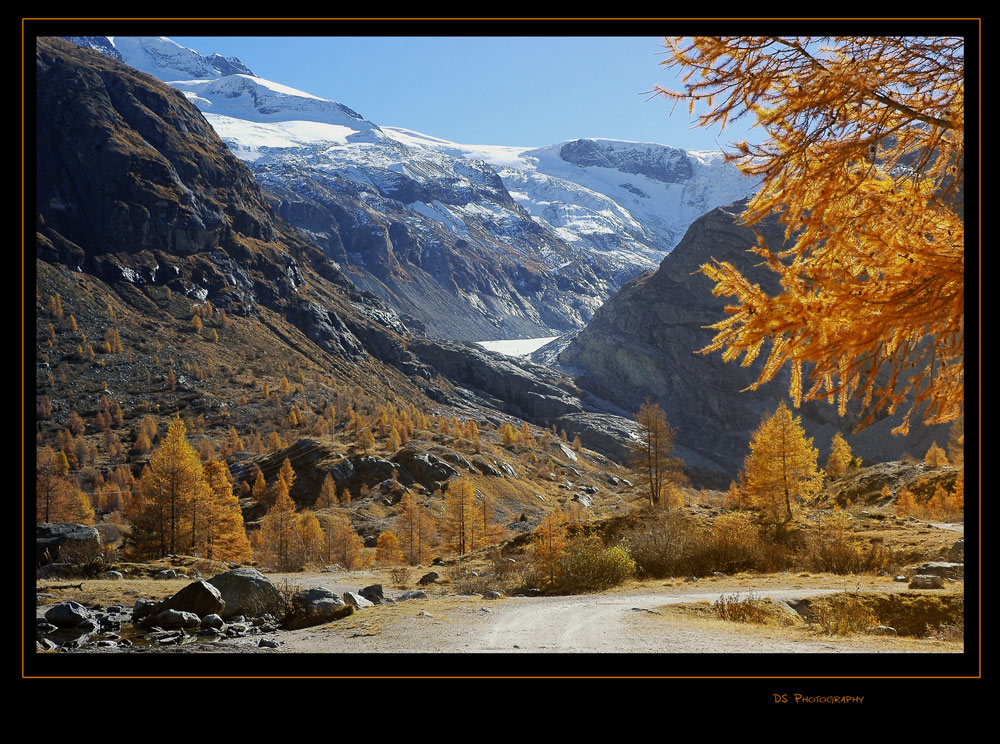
x=57, y=498
x=52, y=488
x=366, y=440
x=224, y=535
x=169, y=484
x=459, y=524
x=841, y=458
x=650, y=458
x=781, y=467
x=906, y=503
x=274, y=543
x=863, y=162
x=287, y=473
x=310, y=542
x=343, y=545
x=935, y=457
x=550, y=544
x=415, y=529
x=327, y=493
x=387, y=550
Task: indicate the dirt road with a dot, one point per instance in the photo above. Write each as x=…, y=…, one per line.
x=592, y=623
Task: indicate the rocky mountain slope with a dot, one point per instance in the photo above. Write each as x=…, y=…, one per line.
x=145, y=205
x=475, y=243
x=642, y=344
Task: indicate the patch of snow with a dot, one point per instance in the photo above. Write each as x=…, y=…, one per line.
x=516, y=347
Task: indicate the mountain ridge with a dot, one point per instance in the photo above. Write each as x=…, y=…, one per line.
x=510, y=252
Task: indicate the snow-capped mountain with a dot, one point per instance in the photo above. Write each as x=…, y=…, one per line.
x=161, y=57
x=633, y=198
x=475, y=242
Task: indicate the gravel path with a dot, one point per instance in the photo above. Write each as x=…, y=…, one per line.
x=594, y=623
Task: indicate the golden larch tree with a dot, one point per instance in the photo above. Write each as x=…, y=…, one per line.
x=863, y=161
x=310, y=540
x=387, y=550
x=781, y=467
x=52, y=488
x=415, y=529
x=225, y=537
x=650, y=457
x=327, y=493
x=171, y=482
x=905, y=504
x=343, y=544
x=841, y=458
x=935, y=457
x=550, y=544
x=287, y=473
x=274, y=544
x=458, y=527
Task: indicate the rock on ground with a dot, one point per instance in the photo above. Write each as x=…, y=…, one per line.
x=246, y=591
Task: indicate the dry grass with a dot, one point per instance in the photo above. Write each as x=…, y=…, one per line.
x=750, y=607
x=106, y=592
x=913, y=613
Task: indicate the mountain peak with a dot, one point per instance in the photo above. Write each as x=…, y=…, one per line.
x=162, y=58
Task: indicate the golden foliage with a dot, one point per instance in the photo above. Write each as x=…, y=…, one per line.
x=170, y=486
x=224, y=536
x=935, y=457
x=387, y=551
x=865, y=166
x=274, y=542
x=459, y=524
x=416, y=529
x=343, y=545
x=781, y=466
x=841, y=457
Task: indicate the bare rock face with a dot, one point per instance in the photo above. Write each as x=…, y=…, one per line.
x=659, y=162
x=144, y=192
x=131, y=135
x=643, y=343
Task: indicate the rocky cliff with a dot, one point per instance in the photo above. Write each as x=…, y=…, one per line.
x=643, y=343
x=144, y=192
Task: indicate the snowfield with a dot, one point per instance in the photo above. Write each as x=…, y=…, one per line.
x=516, y=346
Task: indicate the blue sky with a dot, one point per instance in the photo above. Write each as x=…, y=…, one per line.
x=484, y=89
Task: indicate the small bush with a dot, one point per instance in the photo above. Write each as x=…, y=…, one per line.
x=589, y=566
x=400, y=576
x=743, y=608
x=735, y=544
x=668, y=547
x=835, y=548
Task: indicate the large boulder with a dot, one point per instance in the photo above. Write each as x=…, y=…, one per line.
x=65, y=542
x=198, y=597
x=67, y=614
x=246, y=591
x=315, y=607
